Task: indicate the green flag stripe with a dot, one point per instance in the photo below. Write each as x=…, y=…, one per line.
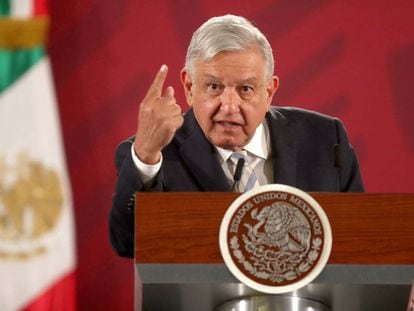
x=14, y=63
x=4, y=7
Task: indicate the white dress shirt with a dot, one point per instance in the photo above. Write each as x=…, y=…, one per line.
x=258, y=155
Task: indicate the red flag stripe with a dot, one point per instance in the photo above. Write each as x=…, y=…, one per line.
x=40, y=7
x=61, y=296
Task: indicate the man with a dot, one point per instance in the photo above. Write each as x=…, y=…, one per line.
x=229, y=84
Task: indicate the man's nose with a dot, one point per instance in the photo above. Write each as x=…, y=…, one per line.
x=229, y=100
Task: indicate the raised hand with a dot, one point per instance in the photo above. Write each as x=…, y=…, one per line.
x=159, y=118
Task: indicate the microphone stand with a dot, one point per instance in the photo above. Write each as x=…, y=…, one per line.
x=237, y=174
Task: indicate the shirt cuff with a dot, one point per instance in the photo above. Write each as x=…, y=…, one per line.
x=146, y=172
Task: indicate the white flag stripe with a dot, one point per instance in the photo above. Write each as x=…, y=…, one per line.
x=29, y=123
x=21, y=8
x=28, y=115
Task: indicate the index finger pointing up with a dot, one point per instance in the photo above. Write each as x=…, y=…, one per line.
x=155, y=89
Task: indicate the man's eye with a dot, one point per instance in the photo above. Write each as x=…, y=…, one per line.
x=246, y=89
x=214, y=88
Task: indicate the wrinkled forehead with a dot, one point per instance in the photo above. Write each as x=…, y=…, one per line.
x=244, y=65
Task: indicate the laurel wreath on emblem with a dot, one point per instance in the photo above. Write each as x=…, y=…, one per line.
x=266, y=269
x=274, y=256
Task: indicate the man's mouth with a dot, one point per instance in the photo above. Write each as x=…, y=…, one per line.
x=228, y=124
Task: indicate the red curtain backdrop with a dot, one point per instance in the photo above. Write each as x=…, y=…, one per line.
x=350, y=59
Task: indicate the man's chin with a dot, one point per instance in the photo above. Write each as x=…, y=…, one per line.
x=228, y=144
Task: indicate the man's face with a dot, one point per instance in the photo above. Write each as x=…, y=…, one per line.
x=230, y=96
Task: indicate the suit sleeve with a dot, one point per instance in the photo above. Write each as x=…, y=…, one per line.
x=121, y=218
x=351, y=180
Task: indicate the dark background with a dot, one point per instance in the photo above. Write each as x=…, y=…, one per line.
x=350, y=59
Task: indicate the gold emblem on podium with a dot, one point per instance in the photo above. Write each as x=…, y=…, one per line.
x=275, y=238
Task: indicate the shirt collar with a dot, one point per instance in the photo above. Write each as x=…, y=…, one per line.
x=259, y=145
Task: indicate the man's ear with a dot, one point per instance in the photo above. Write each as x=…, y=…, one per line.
x=187, y=84
x=271, y=89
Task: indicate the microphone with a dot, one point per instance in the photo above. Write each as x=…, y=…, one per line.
x=237, y=173
x=337, y=164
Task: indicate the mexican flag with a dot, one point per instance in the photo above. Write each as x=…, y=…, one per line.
x=37, y=248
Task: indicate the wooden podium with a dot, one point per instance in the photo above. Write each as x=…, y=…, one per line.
x=178, y=258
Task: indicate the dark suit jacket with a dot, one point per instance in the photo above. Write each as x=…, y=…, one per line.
x=302, y=153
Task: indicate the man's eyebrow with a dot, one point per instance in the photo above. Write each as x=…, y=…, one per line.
x=211, y=77
x=247, y=80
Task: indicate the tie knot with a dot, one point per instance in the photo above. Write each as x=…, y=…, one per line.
x=236, y=156
x=244, y=175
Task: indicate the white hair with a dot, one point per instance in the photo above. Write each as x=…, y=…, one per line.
x=228, y=33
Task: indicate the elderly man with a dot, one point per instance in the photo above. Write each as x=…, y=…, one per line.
x=229, y=84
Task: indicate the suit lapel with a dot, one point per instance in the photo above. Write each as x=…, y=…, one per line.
x=201, y=158
x=284, y=150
